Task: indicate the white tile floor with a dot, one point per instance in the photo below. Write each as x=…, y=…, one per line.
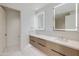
x=29, y=50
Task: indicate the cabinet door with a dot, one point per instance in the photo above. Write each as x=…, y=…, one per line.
x=51, y=52
x=42, y=41
x=33, y=38
x=63, y=50
x=69, y=51
x=33, y=41
x=2, y=29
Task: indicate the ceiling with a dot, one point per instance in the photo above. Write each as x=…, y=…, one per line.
x=21, y=6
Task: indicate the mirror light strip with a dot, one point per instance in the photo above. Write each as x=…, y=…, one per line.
x=76, y=15
x=60, y=5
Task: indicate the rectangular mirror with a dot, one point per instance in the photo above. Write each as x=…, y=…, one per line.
x=40, y=20
x=65, y=17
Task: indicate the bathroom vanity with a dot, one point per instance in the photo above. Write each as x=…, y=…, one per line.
x=54, y=47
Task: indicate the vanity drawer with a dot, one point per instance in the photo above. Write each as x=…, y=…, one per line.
x=33, y=38
x=69, y=51
x=63, y=50
x=33, y=43
x=54, y=46
x=48, y=51
x=42, y=47
x=42, y=41
x=52, y=52
x=38, y=40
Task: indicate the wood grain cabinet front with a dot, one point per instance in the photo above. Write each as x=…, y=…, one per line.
x=63, y=50
x=41, y=44
x=51, y=48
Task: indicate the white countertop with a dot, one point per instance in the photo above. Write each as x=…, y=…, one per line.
x=69, y=43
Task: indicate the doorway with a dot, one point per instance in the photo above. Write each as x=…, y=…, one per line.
x=10, y=29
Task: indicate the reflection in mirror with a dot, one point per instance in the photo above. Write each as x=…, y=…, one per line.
x=65, y=17
x=40, y=18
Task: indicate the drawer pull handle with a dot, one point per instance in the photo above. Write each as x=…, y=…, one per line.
x=57, y=52
x=32, y=40
x=41, y=45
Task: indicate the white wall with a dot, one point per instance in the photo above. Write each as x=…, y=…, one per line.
x=26, y=23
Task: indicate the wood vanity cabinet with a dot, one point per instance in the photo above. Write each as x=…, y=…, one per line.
x=51, y=48
x=64, y=50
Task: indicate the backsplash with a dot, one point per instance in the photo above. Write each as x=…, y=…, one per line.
x=65, y=34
